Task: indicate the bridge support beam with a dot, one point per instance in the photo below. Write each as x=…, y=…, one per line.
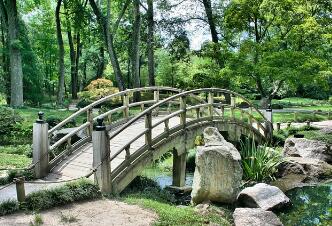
x=269, y=124
x=179, y=169
x=101, y=157
x=40, y=145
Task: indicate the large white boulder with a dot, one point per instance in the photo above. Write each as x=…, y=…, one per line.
x=255, y=217
x=218, y=171
x=263, y=196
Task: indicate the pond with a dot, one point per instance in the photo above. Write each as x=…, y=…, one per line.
x=312, y=205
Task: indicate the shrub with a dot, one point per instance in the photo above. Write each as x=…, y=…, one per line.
x=68, y=193
x=277, y=106
x=27, y=174
x=8, y=120
x=96, y=90
x=259, y=163
x=8, y=207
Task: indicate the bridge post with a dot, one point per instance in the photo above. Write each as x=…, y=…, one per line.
x=269, y=123
x=101, y=157
x=40, y=145
x=179, y=169
x=126, y=105
x=233, y=103
x=210, y=102
x=90, y=119
x=183, y=107
x=148, y=125
x=156, y=99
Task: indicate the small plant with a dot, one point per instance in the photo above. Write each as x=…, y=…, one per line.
x=37, y=220
x=8, y=207
x=67, y=218
x=259, y=163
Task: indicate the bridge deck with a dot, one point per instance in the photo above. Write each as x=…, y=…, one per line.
x=80, y=162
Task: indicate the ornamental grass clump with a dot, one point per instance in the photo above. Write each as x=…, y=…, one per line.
x=259, y=163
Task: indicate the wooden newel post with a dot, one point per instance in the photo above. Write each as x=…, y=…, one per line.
x=126, y=105
x=40, y=146
x=210, y=107
x=269, y=123
x=101, y=157
x=156, y=100
x=233, y=103
x=148, y=125
x=20, y=190
x=183, y=107
x=89, y=118
x=278, y=126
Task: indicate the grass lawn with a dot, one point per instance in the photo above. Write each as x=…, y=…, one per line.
x=13, y=161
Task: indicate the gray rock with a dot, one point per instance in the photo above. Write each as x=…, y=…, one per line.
x=218, y=171
x=255, y=217
x=263, y=196
x=301, y=147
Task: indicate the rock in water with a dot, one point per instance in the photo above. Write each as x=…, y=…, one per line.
x=301, y=147
x=264, y=196
x=255, y=217
x=218, y=171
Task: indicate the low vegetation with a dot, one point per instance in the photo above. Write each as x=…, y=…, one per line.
x=58, y=196
x=259, y=163
x=148, y=194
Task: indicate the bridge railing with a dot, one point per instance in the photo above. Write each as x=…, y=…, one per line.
x=66, y=145
x=191, y=112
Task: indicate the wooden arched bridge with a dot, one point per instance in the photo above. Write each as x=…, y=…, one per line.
x=117, y=141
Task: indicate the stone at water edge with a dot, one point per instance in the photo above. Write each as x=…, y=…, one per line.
x=255, y=217
x=301, y=147
x=263, y=196
x=218, y=171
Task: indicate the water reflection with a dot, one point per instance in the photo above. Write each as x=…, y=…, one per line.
x=311, y=206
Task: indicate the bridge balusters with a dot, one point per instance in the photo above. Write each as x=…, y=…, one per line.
x=148, y=125
x=156, y=99
x=166, y=129
x=69, y=147
x=142, y=107
x=210, y=102
x=126, y=105
x=183, y=107
x=109, y=119
x=233, y=101
x=90, y=119
x=198, y=113
x=40, y=146
x=127, y=148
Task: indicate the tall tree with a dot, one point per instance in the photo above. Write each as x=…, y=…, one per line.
x=151, y=27
x=104, y=23
x=61, y=81
x=15, y=57
x=135, y=50
x=212, y=25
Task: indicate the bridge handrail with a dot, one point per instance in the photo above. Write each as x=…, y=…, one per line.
x=107, y=98
x=185, y=93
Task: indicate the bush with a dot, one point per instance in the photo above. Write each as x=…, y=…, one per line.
x=27, y=174
x=68, y=193
x=8, y=120
x=277, y=106
x=96, y=90
x=8, y=207
x=259, y=163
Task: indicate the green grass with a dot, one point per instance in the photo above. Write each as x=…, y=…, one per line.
x=317, y=135
x=172, y=215
x=14, y=161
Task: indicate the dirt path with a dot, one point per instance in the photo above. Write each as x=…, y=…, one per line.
x=93, y=213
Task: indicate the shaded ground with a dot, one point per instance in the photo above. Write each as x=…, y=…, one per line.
x=98, y=212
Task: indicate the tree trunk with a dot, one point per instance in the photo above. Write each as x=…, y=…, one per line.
x=5, y=47
x=77, y=58
x=15, y=58
x=151, y=64
x=101, y=63
x=212, y=25
x=214, y=33
x=108, y=39
x=61, y=82
x=135, y=56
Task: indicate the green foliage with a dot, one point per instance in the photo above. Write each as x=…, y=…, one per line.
x=8, y=120
x=8, y=207
x=27, y=174
x=68, y=193
x=37, y=220
x=96, y=90
x=259, y=163
x=190, y=161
